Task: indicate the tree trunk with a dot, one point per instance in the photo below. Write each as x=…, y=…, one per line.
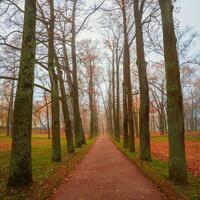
x=127, y=84
x=67, y=121
x=47, y=115
x=135, y=113
x=96, y=126
x=195, y=119
x=113, y=95
x=125, y=119
x=111, y=131
x=177, y=160
x=162, y=121
x=21, y=167
x=55, y=109
x=117, y=101
x=91, y=102
x=70, y=84
x=83, y=140
x=76, y=111
x=145, y=152
x=10, y=110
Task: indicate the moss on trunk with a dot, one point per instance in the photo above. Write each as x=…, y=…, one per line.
x=177, y=160
x=55, y=111
x=20, y=166
x=145, y=152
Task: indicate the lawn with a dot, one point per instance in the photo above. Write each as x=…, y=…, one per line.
x=159, y=147
x=46, y=174
x=157, y=170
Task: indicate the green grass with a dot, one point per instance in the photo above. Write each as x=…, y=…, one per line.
x=164, y=138
x=46, y=174
x=157, y=171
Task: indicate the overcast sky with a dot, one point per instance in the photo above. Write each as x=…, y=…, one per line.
x=190, y=13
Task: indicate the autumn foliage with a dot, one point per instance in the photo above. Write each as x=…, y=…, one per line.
x=160, y=150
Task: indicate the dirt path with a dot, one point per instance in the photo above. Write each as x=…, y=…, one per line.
x=105, y=174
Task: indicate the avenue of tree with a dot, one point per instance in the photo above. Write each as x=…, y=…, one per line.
x=130, y=95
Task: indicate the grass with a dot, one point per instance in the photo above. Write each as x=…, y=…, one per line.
x=164, y=138
x=46, y=174
x=157, y=171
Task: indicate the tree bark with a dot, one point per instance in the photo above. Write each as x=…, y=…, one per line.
x=10, y=110
x=117, y=101
x=76, y=111
x=113, y=95
x=127, y=86
x=177, y=160
x=70, y=84
x=111, y=131
x=47, y=115
x=67, y=120
x=145, y=152
x=83, y=140
x=162, y=121
x=96, y=126
x=55, y=109
x=136, y=122
x=21, y=167
x=91, y=101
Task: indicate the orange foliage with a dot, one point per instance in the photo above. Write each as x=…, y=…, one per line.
x=160, y=150
x=5, y=146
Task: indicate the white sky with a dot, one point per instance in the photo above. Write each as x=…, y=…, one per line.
x=189, y=16
x=190, y=13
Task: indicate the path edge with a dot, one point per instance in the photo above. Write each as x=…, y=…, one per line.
x=165, y=186
x=64, y=169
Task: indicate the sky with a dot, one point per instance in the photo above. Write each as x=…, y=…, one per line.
x=190, y=13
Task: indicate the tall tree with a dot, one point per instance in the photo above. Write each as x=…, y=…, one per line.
x=110, y=103
x=118, y=58
x=71, y=88
x=89, y=56
x=20, y=166
x=66, y=113
x=145, y=152
x=127, y=89
x=55, y=111
x=79, y=135
x=113, y=90
x=91, y=99
x=177, y=160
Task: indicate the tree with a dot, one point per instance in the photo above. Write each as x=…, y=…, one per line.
x=67, y=120
x=158, y=92
x=77, y=119
x=127, y=89
x=56, y=146
x=177, y=160
x=89, y=57
x=20, y=166
x=10, y=109
x=145, y=152
x=47, y=115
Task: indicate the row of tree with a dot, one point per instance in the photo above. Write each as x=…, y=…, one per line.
x=158, y=92
x=136, y=95
x=44, y=46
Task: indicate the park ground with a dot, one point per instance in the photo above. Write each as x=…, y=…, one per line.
x=48, y=176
